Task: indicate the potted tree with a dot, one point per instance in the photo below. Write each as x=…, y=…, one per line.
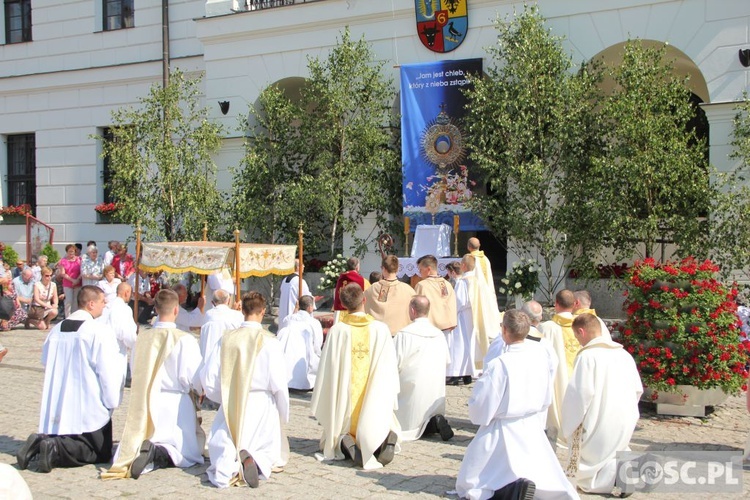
x=683, y=331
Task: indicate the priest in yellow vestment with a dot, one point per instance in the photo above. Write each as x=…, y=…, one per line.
x=357, y=388
x=161, y=429
x=246, y=373
x=559, y=331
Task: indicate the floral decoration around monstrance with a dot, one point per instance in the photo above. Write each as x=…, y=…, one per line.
x=443, y=145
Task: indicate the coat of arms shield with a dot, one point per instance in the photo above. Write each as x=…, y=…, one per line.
x=441, y=24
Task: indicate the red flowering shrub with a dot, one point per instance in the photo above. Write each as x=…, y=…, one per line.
x=682, y=327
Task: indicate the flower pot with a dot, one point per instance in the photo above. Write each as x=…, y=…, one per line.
x=12, y=219
x=686, y=401
x=105, y=218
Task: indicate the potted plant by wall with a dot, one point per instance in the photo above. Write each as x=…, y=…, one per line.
x=15, y=214
x=683, y=331
x=106, y=212
x=521, y=282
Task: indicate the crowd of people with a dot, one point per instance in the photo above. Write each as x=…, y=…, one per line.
x=378, y=379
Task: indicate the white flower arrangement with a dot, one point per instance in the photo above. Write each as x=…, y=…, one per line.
x=522, y=279
x=331, y=272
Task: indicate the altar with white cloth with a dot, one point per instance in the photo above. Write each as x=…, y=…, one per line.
x=434, y=239
x=407, y=266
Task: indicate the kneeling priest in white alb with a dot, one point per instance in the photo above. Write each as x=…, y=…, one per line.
x=245, y=373
x=422, y=354
x=600, y=409
x=510, y=456
x=162, y=428
x=219, y=319
x=302, y=341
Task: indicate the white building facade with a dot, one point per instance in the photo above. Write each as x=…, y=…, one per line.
x=74, y=61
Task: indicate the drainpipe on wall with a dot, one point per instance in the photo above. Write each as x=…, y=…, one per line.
x=165, y=42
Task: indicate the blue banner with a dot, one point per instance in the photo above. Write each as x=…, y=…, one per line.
x=438, y=179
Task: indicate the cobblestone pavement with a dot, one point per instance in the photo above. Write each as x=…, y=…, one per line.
x=426, y=468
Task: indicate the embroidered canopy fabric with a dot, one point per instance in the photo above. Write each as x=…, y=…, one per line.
x=207, y=257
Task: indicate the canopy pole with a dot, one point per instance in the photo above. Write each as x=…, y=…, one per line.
x=137, y=272
x=301, y=246
x=203, y=276
x=237, y=264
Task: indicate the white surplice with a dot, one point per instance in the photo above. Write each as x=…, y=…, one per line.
x=266, y=409
x=462, y=339
x=189, y=319
x=218, y=320
x=301, y=340
x=173, y=415
x=497, y=345
x=119, y=316
x=82, y=377
x=289, y=295
x=507, y=403
x=422, y=355
x=603, y=394
x=12, y=484
x=331, y=403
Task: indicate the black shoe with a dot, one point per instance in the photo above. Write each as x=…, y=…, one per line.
x=249, y=469
x=467, y=379
x=388, y=449
x=520, y=489
x=443, y=427
x=48, y=456
x=145, y=457
x=29, y=450
x=350, y=449
x=452, y=380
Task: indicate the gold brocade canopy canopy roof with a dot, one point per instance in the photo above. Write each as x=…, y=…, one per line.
x=207, y=257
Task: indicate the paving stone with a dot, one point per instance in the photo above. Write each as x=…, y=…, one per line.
x=424, y=469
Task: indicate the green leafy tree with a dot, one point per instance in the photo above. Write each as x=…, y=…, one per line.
x=327, y=159
x=730, y=221
x=162, y=173
x=652, y=180
x=530, y=124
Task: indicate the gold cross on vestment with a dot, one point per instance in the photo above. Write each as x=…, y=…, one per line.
x=360, y=350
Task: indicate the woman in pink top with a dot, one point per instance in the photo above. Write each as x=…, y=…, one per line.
x=69, y=268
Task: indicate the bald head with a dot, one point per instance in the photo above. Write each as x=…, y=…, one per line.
x=473, y=244
x=27, y=274
x=534, y=311
x=221, y=297
x=564, y=301
x=306, y=303
x=582, y=299
x=419, y=307
x=124, y=290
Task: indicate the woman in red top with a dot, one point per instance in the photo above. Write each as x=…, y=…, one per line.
x=69, y=269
